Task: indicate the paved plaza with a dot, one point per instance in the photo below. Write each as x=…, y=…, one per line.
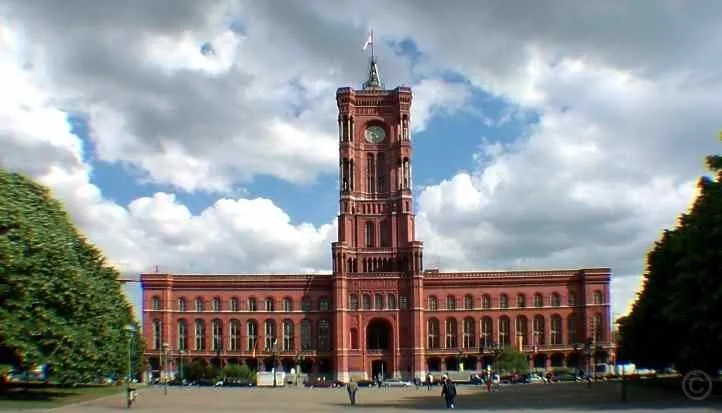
x=538, y=397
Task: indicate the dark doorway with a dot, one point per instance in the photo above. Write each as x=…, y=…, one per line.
x=379, y=368
x=378, y=335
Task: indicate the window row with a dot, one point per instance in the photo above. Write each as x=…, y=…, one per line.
x=234, y=304
x=380, y=302
x=501, y=333
x=554, y=300
x=245, y=336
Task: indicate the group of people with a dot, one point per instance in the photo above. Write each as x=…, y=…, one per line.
x=448, y=390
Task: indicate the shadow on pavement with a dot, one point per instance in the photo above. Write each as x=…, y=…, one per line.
x=572, y=396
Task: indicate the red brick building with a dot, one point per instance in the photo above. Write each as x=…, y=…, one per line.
x=379, y=310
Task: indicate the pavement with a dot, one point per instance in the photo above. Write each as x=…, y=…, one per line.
x=560, y=397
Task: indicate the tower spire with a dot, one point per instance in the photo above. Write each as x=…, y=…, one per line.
x=374, y=80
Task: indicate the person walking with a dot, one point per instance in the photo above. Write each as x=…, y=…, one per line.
x=429, y=381
x=448, y=391
x=352, y=388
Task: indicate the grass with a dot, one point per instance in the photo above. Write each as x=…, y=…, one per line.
x=50, y=396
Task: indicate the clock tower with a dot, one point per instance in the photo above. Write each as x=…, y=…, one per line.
x=377, y=263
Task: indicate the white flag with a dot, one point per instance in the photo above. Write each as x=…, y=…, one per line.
x=369, y=41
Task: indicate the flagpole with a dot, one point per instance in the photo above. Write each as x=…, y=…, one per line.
x=372, y=45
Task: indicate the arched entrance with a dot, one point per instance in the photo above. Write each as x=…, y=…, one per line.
x=379, y=368
x=378, y=335
x=379, y=346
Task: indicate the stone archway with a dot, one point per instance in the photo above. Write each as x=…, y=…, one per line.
x=378, y=335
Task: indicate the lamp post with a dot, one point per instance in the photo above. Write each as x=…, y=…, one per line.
x=128, y=391
x=180, y=372
x=164, y=373
x=274, y=355
x=585, y=349
x=297, y=360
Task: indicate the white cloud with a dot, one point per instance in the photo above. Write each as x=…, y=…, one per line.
x=627, y=96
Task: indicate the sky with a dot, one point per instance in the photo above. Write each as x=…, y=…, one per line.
x=547, y=134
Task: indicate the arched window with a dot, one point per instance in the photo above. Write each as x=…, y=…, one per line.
x=379, y=302
x=370, y=173
x=391, y=302
x=469, y=333
x=306, y=304
x=217, y=335
x=504, y=334
x=182, y=305
x=323, y=304
x=598, y=328
x=367, y=301
x=385, y=234
x=157, y=334
x=216, y=304
x=522, y=330
x=485, y=302
x=487, y=331
x=155, y=303
x=433, y=333
x=538, y=300
x=572, y=329
x=597, y=298
x=269, y=334
x=182, y=335
x=252, y=304
x=451, y=303
x=198, y=304
x=503, y=301
x=370, y=234
x=252, y=334
x=572, y=299
x=539, y=331
x=234, y=304
x=556, y=330
x=306, y=335
x=268, y=304
x=353, y=302
x=433, y=303
x=403, y=302
x=234, y=331
x=324, y=335
x=288, y=335
x=287, y=305
x=468, y=302
x=521, y=301
x=556, y=300
x=451, y=333
x=200, y=335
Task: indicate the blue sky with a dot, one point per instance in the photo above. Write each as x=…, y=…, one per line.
x=541, y=140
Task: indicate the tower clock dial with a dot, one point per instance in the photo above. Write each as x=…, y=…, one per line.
x=375, y=134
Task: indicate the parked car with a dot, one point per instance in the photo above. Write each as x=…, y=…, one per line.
x=397, y=383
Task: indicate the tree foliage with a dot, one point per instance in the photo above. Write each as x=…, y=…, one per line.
x=676, y=319
x=512, y=360
x=60, y=302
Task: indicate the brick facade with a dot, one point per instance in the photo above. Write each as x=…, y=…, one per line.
x=378, y=310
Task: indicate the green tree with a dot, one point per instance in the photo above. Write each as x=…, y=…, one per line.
x=60, y=303
x=237, y=371
x=676, y=317
x=512, y=360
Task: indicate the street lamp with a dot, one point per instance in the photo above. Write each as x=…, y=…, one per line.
x=585, y=350
x=130, y=393
x=274, y=355
x=164, y=373
x=297, y=360
x=180, y=353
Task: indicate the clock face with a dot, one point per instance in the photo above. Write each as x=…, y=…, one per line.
x=375, y=134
